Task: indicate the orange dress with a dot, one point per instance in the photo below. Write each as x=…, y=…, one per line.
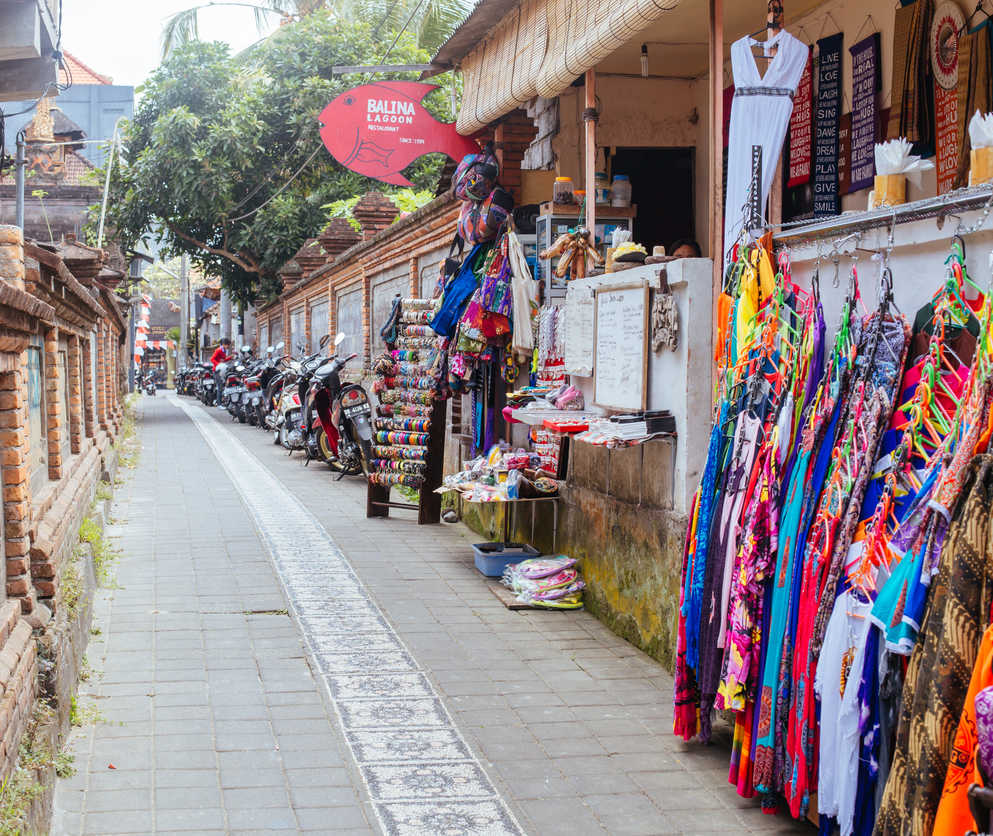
x=953, y=817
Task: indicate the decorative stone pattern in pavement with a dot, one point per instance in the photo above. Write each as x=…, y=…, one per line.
x=412, y=722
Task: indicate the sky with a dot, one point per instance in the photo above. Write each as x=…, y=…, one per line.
x=122, y=38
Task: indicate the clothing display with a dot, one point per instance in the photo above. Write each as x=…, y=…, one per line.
x=760, y=116
x=841, y=525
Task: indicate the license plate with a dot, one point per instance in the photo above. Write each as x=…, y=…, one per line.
x=352, y=411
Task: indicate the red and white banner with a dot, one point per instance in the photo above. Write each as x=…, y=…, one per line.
x=946, y=25
x=802, y=126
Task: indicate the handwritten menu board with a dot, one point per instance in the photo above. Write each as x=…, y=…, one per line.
x=579, y=328
x=620, y=368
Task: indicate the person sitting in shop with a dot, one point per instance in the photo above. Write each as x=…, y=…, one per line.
x=685, y=248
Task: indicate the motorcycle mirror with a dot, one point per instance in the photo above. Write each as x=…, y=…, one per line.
x=270, y=350
x=324, y=340
x=339, y=339
x=247, y=349
x=280, y=345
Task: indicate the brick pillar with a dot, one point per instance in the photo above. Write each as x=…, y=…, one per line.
x=75, y=384
x=374, y=212
x=288, y=329
x=53, y=403
x=415, y=284
x=101, y=377
x=12, y=255
x=337, y=237
x=15, y=444
x=332, y=311
x=89, y=407
x=366, y=320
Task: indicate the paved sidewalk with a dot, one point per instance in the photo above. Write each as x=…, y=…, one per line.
x=215, y=720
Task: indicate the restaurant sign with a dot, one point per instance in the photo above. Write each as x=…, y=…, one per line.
x=379, y=129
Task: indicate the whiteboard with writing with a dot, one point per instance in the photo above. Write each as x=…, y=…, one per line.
x=579, y=329
x=621, y=359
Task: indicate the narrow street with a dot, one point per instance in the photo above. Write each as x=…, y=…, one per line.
x=271, y=660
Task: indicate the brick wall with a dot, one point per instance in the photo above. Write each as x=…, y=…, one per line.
x=14, y=443
x=18, y=682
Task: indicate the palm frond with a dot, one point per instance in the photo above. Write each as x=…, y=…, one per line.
x=181, y=28
x=439, y=20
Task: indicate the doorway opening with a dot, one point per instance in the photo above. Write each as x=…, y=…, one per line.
x=662, y=189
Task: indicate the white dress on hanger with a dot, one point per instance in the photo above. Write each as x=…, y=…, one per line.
x=760, y=115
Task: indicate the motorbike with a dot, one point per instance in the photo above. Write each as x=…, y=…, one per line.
x=204, y=386
x=234, y=384
x=256, y=386
x=148, y=384
x=289, y=429
x=337, y=418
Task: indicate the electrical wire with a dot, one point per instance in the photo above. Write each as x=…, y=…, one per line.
x=281, y=189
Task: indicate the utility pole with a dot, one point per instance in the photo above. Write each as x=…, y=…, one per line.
x=20, y=163
x=184, y=310
x=225, y=314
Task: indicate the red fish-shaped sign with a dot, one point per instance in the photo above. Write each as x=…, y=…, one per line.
x=379, y=129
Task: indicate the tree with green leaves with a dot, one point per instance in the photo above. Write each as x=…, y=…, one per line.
x=432, y=21
x=224, y=158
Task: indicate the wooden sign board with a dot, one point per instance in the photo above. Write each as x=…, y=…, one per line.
x=620, y=366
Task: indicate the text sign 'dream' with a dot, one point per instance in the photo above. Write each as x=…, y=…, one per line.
x=378, y=129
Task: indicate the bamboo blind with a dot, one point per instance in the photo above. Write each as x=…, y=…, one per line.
x=541, y=47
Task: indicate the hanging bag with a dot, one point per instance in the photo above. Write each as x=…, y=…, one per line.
x=479, y=222
x=476, y=176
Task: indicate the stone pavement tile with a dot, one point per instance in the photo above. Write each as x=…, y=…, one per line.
x=245, y=778
x=179, y=798
x=700, y=821
x=338, y=776
x=196, y=819
x=350, y=819
x=626, y=814
x=557, y=817
x=98, y=801
x=251, y=799
x=267, y=819
x=110, y=824
x=102, y=778
x=323, y=796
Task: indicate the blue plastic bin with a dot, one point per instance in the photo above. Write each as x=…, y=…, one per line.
x=493, y=558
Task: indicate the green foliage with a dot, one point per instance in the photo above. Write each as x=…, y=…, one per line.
x=105, y=558
x=215, y=136
x=23, y=786
x=433, y=22
x=406, y=200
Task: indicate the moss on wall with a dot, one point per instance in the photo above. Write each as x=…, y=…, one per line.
x=630, y=556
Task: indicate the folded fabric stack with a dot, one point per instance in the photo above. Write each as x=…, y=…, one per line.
x=550, y=582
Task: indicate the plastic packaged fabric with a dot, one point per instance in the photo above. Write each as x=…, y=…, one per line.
x=894, y=157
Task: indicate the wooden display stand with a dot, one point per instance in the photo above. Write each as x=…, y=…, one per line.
x=405, y=448
x=428, y=506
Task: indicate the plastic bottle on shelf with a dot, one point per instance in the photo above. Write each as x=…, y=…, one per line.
x=620, y=191
x=562, y=191
x=602, y=188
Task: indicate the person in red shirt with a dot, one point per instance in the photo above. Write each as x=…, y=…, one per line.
x=220, y=354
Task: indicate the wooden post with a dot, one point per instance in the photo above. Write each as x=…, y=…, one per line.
x=716, y=151
x=590, y=118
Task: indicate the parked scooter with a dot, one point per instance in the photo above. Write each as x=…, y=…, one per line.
x=148, y=383
x=234, y=384
x=338, y=418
